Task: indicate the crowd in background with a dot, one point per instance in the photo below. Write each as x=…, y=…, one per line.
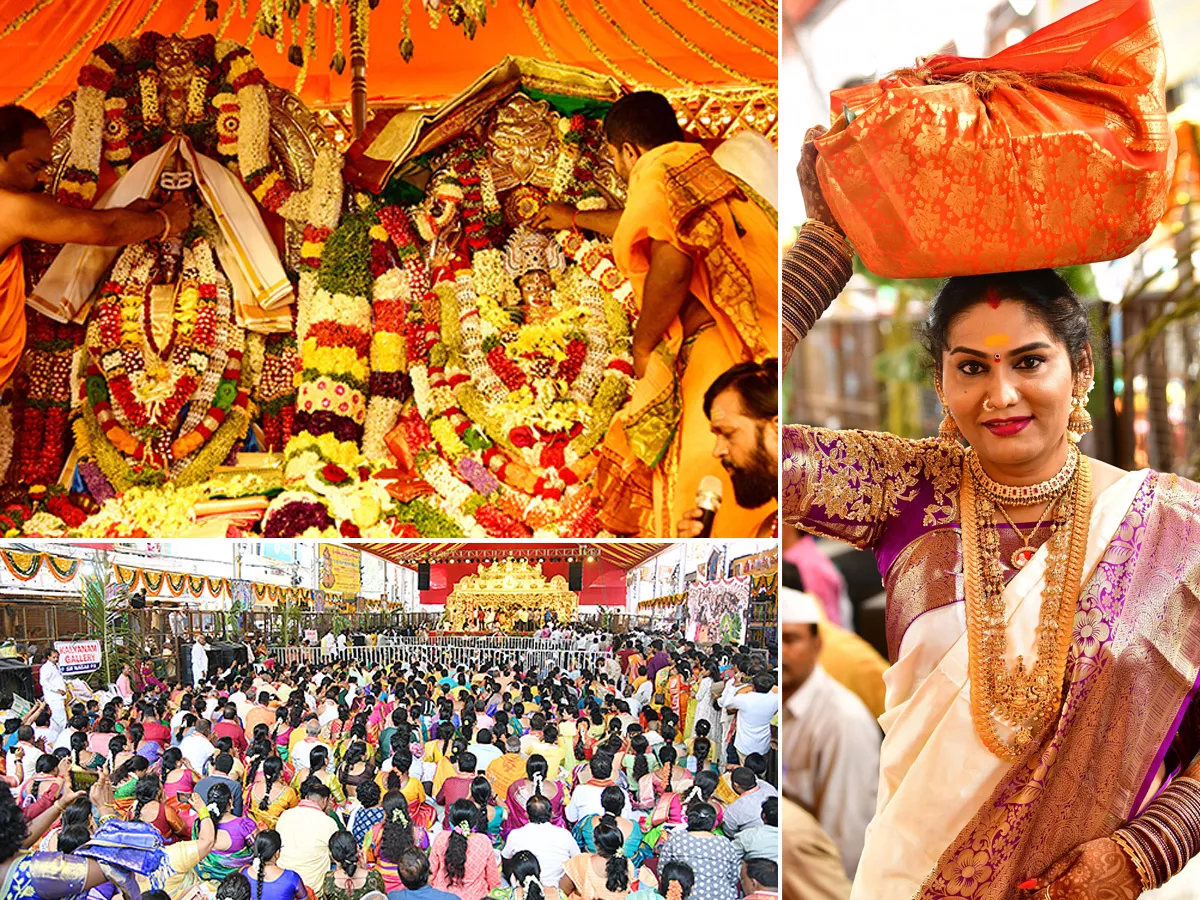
x=649, y=772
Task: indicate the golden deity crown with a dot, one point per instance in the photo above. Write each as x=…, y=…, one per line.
x=532, y=251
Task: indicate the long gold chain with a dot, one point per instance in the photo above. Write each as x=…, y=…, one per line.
x=146, y=18
x=1024, y=553
x=759, y=14
x=24, y=17
x=1024, y=699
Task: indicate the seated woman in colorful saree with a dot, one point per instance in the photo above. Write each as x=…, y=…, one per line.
x=535, y=782
x=234, y=846
x=386, y=841
x=398, y=779
x=1038, y=604
x=267, y=794
x=318, y=762
x=612, y=801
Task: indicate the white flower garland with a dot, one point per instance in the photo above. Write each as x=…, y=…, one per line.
x=7, y=439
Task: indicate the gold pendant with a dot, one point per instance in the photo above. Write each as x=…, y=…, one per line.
x=1021, y=557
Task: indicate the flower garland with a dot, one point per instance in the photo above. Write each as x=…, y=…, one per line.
x=396, y=283
x=44, y=408
x=7, y=438
x=275, y=392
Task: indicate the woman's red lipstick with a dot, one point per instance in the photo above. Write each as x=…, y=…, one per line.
x=1007, y=427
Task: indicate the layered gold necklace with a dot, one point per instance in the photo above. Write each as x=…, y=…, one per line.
x=1025, y=699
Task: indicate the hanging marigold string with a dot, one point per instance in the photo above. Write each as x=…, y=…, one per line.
x=127, y=577
x=84, y=40
x=218, y=587
x=23, y=18
x=187, y=23
x=22, y=566
x=137, y=29
x=225, y=20
x=591, y=45
x=176, y=582
x=695, y=48
x=532, y=22
x=61, y=568
x=732, y=33
x=152, y=580
x=637, y=48
x=195, y=585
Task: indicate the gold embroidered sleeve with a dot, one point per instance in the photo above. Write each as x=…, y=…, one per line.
x=848, y=485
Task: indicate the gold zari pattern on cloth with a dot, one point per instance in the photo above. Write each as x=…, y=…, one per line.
x=1029, y=159
x=862, y=477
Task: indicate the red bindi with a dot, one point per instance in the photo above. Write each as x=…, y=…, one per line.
x=992, y=296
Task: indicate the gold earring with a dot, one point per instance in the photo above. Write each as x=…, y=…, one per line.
x=948, y=430
x=1079, y=422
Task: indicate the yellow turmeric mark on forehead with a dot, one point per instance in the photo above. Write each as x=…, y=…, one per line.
x=996, y=340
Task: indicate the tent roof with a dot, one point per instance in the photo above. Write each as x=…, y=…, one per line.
x=623, y=554
x=656, y=43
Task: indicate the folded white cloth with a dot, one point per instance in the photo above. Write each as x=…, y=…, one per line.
x=261, y=289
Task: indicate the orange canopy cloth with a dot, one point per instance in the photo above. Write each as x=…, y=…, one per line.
x=1053, y=152
x=658, y=43
x=12, y=312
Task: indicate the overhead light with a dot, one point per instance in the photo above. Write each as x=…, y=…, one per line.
x=1022, y=7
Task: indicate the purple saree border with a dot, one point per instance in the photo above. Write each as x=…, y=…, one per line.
x=1163, y=750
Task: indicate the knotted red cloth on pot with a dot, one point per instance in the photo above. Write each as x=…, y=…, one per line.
x=1053, y=152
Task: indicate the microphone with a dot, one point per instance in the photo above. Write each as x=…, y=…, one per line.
x=708, y=498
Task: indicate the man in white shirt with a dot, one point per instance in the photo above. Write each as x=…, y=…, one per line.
x=755, y=710
x=305, y=831
x=829, y=747
x=585, y=801
x=196, y=748
x=304, y=746
x=551, y=844
x=199, y=660
x=54, y=692
x=485, y=751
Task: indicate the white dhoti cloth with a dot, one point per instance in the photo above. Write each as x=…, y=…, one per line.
x=249, y=259
x=54, y=692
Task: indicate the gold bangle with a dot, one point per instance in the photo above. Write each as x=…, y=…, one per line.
x=816, y=226
x=1120, y=839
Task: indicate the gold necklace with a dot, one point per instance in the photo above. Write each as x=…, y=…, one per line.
x=1025, y=552
x=1024, y=699
x=1025, y=494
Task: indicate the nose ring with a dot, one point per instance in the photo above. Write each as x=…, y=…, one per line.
x=987, y=404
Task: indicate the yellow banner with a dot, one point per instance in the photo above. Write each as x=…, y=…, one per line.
x=341, y=572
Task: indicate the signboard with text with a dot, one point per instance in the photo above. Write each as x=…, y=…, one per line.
x=77, y=657
x=340, y=569
x=310, y=635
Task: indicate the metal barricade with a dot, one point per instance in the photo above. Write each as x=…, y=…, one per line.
x=477, y=653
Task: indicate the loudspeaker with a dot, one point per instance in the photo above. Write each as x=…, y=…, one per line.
x=222, y=655
x=575, y=576
x=422, y=576
x=16, y=678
